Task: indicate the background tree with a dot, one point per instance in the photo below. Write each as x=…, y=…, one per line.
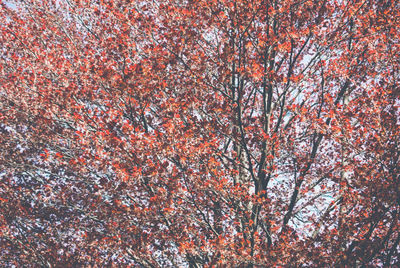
x=191, y=133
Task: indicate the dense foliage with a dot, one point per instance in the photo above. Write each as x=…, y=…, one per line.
x=199, y=133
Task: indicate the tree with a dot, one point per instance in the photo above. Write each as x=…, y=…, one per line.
x=199, y=133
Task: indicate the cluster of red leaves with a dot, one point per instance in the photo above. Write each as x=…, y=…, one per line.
x=199, y=133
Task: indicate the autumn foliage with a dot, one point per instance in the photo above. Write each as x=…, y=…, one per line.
x=189, y=133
